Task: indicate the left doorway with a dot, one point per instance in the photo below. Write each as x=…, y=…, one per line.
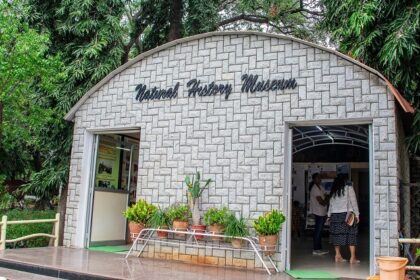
x=113, y=187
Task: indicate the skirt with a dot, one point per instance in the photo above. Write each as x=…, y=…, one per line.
x=341, y=234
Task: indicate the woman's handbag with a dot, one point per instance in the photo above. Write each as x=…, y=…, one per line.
x=350, y=217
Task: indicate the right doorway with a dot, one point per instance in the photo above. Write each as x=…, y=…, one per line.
x=328, y=152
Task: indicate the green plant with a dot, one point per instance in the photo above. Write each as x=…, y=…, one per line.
x=216, y=216
x=236, y=227
x=159, y=219
x=418, y=252
x=140, y=212
x=269, y=223
x=179, y=212
x=194, y=186
x=195, y=190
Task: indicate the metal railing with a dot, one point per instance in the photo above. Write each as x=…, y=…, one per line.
x=411, y=258
x=54, y=235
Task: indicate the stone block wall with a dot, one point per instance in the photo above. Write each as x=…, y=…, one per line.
x=238, y=142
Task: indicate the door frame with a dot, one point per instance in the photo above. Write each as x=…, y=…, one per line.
x=287, y=194
x=84, y=214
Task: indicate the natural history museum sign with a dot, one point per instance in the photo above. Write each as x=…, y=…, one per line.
x=250, y=83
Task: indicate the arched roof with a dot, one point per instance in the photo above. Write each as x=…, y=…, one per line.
x=405, y=105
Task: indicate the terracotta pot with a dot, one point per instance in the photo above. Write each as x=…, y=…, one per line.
x=237, y=243
x=216, y=229
x=199, y=229
x=134, y=229
x=162, y=234
x=392, y=267
x=180, y=226
x=268, y=244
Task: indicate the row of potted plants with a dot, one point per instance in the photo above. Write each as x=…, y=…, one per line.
x=216, y=220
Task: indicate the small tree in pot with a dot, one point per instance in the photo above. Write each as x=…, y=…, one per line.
x=138, y=216
x=216, y=220
x=268, y=227
x=236, y=227
x=195, y=190
x=160, y=220
x=179, y=215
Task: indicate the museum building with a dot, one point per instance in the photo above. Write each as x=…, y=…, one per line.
x=257, y=113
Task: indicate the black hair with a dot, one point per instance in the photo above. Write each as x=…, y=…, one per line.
x=314, y=176
x=338, y=186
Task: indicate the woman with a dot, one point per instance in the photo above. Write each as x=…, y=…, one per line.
x=343, y=200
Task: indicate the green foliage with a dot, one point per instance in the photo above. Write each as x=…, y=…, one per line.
x=160, y=219
x=140, y=212
x=418, y=252
x=216, y=216
x=236, y=227
x=386, y=36
x=194, y=185
x=269, y=223
x=179, y=212
x=16, y=231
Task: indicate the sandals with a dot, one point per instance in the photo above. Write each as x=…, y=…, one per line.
x=354, y=261
x=340, y=260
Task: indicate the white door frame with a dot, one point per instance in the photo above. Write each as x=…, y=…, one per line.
x=287, y=194
x=86, y=181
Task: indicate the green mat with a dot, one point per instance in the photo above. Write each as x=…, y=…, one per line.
x=310, y=274
x=109, y=249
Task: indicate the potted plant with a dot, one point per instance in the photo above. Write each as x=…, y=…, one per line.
x=236, y=227
x=215, y=219
x=138, y=215
x=179, y=215
x=268, y=226
x=160, y=220
x=194, y=191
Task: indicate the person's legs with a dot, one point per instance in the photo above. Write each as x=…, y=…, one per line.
x=338, y=256
x=353, y=254
x=319, y=224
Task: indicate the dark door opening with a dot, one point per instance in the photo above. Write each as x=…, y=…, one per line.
x=328, y=151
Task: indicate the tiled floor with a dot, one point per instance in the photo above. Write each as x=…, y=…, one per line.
x=302, y=258
x=117, y=267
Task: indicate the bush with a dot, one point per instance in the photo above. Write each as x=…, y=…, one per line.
x=216, y=216
x=140, y=212
x=16, y=231
x=236, y=227
x=179, y=212
x=270, y=223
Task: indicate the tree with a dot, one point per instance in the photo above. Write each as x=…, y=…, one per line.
x=386, y=36
x=26, y=70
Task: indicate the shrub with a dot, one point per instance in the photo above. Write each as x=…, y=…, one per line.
x=270, y=223
x=16, y=231
x=236, y=227
x=180, y=212
x=159, y=219
x=140, y=212
x=216, y=216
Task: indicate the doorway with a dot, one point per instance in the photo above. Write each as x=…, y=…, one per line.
x=113, y=187
x=328, y=150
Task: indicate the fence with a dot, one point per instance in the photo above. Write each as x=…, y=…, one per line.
x=4, y=223
x=411, y=258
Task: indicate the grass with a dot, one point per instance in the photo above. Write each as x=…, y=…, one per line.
x=15, y=231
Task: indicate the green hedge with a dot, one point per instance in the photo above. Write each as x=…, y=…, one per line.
x=16, y=231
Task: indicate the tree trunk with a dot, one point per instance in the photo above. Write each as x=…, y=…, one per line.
x=195, y=212
x=62, y=210
x=175, y=20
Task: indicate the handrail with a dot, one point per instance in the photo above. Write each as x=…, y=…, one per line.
x=55, y=233
x=151, y=231
x=410, y=241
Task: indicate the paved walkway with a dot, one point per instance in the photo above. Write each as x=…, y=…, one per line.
x=82, y=264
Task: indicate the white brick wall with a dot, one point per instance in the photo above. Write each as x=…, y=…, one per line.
x=238, y=142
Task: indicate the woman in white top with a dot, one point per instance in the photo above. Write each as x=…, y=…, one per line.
x=343, y=200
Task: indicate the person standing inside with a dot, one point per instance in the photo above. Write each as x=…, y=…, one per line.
x=318, y=206
x=343, y=201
